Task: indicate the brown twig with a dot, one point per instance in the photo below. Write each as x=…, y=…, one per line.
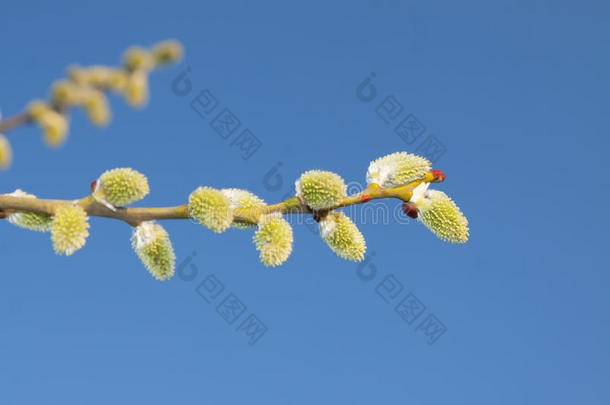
x=14, y=121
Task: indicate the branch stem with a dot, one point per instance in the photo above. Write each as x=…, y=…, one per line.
x=15, y=121
x=134, y=216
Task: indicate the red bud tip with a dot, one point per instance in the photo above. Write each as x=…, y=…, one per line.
x=438, y=175
x=93, y=185
x=410, y=209
x=366, y=198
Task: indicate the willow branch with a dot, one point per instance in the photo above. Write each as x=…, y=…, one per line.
x=135, y=216
x=15, y=121
x=160, y=54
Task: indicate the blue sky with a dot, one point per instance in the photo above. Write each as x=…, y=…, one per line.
x=514, y=95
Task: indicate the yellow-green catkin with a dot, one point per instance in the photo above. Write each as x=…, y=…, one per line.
x=84, y=76
x=67, y=93
x=439, y=213
x=273, y=239
x=54, y=125
x=320, y=189
x=154, y=248
x=69, y=229
x=242, y=199
x=136, y=89
x=119, y=187
x=343, y=236
x=79, y=74
x=167, y=51
x=117, y=80
x=6, y=153
x=55, y=128
x=138, y=58
x=397, y=169
x=211, y=208
x=29, y=220
x=100, y=77
x=97, y=107
x=36, y=108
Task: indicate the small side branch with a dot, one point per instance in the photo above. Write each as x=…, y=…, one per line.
x=15, y=121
